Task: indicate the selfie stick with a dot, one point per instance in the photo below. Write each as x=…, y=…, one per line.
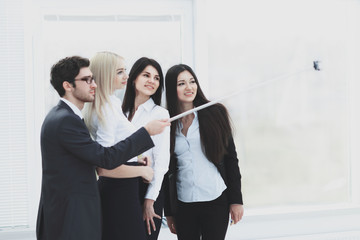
x=316, y=67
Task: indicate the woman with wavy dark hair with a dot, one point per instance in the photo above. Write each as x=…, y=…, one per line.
x=204, y=160
x=141, y=104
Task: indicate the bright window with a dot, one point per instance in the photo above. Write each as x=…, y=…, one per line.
x=131, y=36
x=293, y=134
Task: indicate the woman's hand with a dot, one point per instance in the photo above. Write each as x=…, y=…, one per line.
x=144, y=160
x=100, y=171
x=147, y=173
x=149, y=214
x=236, y=212
x=171, y=224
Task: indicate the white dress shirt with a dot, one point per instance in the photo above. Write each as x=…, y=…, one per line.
x=198, y=179
x=160, y=153
x=75, y=109
x=116, y=126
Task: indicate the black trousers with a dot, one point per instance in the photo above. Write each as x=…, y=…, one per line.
x=158, y=208
x=121, y=209
x=208, y=220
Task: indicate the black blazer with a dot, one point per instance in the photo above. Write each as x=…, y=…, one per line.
x=229, y=171
x=69, y=206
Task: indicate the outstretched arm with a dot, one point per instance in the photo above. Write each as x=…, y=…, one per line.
x=75, y=138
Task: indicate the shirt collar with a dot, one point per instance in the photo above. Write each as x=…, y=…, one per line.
x=75, y=109
x=148, y=105
x=181, y=125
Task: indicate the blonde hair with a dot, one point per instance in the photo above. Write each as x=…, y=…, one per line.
x=103, y=66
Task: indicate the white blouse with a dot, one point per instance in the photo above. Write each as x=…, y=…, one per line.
x=116, y=126
x=160, y=153
x=198, y=179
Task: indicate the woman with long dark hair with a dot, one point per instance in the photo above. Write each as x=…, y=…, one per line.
x=141, y=104
x=204, y=161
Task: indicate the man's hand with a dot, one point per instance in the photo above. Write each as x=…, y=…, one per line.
x=157, y=126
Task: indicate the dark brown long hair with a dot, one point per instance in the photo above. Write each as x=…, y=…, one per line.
x=214, y=121
x=130, y=93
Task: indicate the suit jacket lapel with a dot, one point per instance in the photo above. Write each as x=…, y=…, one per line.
x=62, y=104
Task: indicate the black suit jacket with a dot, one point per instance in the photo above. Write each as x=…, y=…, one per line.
x=69, y=206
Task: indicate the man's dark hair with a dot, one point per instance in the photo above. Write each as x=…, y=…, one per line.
x=66, y=70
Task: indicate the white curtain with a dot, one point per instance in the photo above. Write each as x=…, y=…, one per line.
x=14, y=209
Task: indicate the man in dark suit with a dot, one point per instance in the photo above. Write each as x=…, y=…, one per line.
x=69, y=206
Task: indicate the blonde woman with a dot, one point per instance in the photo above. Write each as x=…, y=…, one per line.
x=141, y=105
x=122, y=214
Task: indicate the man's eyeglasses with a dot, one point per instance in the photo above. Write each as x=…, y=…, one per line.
x=88, y=80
